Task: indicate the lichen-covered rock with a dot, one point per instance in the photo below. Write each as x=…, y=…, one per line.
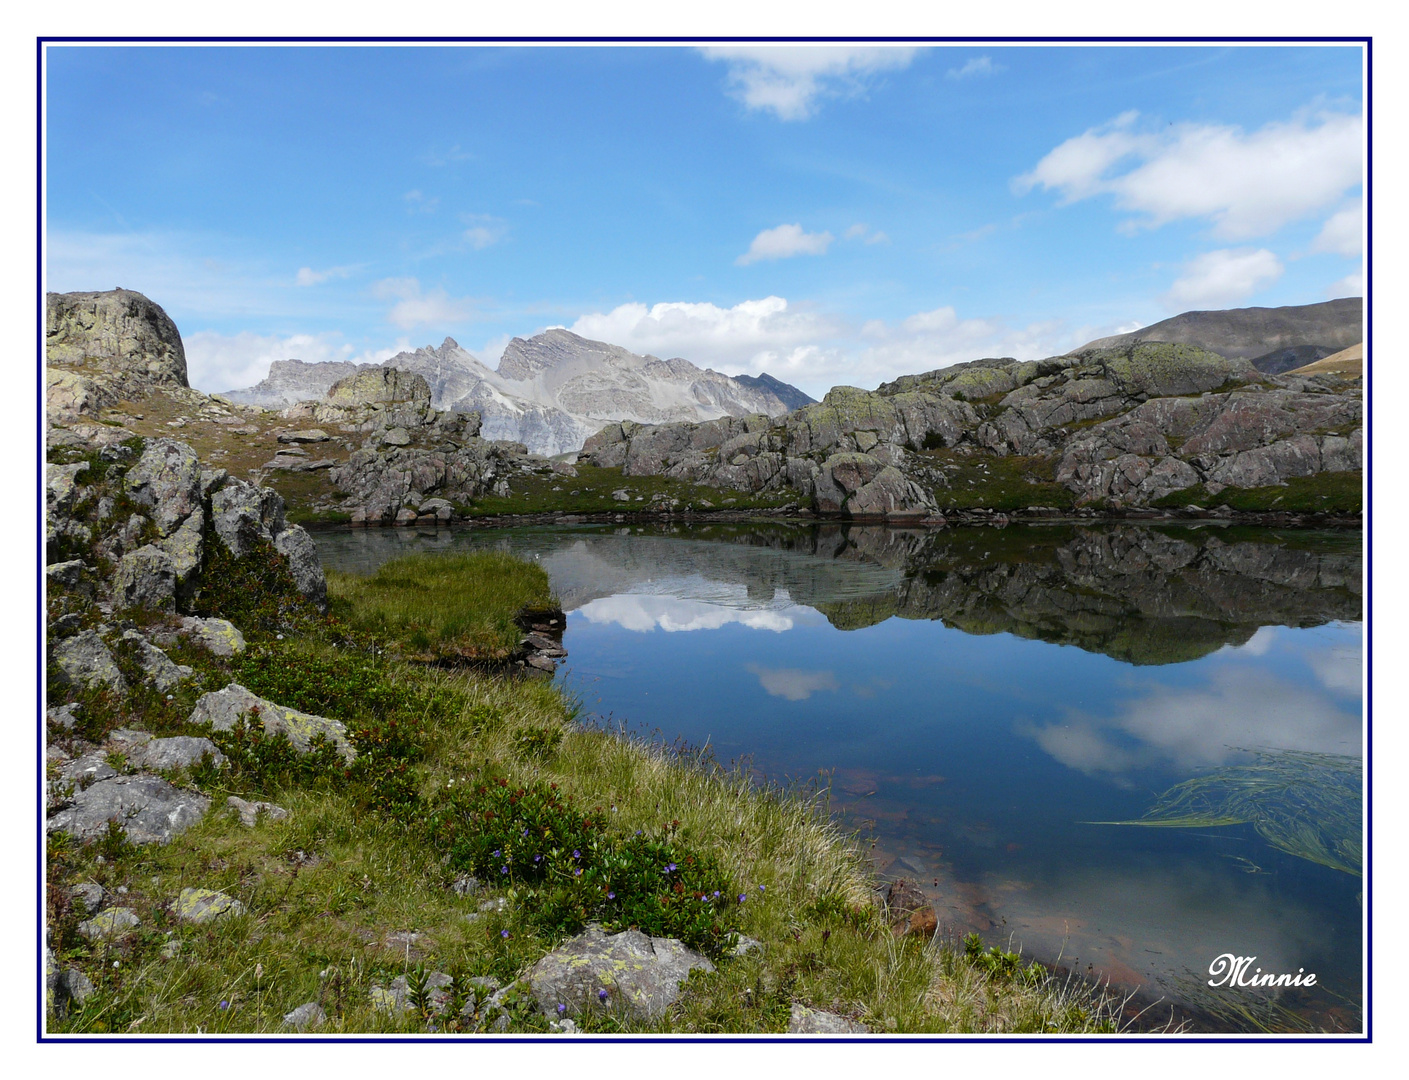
x=243, y=514
x=222, y=710
x=204, y=905
x=218, y=636
x=641, y=975
x=149, y=809
x=166, y=481
x=379, y=386
x=85, y=660
x=185, y=548
x=112, y=923
x=174, y=752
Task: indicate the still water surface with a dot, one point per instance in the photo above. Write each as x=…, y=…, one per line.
x=983, y=700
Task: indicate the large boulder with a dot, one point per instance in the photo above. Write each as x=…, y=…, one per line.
x=222, y=710
x=160, y=670
x=166, y=481
x=379, y=386
x=244, y=514
x=298, y=547
x=105, y=347
x=149, y=809
x=631, y=972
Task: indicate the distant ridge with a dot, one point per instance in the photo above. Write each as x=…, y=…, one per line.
x=1274, y=339
x=788, y=394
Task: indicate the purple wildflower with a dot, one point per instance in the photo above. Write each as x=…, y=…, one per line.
x=601, y=995
x=562, y=1008
x=761, y=888
x=503, y=869
x=503, y=933
x=224, y=1004
x=611, y=896
x=743, y=897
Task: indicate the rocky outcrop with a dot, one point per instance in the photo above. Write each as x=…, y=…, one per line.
x=149, y=809
x=1120, y=427
x=105, y=347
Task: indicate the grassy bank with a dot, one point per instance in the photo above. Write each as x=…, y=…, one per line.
x=358, y=885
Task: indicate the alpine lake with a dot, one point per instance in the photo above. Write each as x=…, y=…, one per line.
x=1124, y=750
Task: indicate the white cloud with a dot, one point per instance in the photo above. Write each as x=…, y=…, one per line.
x=218, y=362
x=793, y=684
x=979, y=65
x=865, y=235
x=308, y=276
x=1217, y=279
x=647, y=612
x=788, y=80
x=1202, y=726
x=1352, y=285
x=415, y=308
x=742, y=338
x=1342, y=233
x=1247, y=184
x=484, y=230
x=784, y=242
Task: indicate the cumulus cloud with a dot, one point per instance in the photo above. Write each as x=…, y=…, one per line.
x=1343, y=232
x=1247, y=184
x=979, y=65
x=783, y=242
x=1351, y=285
x=793, y=684
x=789, y=80
x=217, y=362
x=416, y=308
x=1217, y=279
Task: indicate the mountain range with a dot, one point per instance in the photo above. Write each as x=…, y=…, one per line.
x=551, y=391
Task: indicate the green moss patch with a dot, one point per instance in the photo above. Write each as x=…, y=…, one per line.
x=1331, y=493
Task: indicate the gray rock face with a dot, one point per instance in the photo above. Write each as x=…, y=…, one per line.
x=166, y=481
x=76, y=986
x=84, y=660
x=805, y=1021
x=641, y=975
x=150, y=810
x=222, y=709
x=90, y=894
x=379, y=386
x=243, y=515
x=185, y=548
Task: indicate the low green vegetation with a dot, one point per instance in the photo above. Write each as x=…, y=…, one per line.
x=460, y=607
x=1327, y=492
x=479, y=825
x=968, y=481
x=591, y=492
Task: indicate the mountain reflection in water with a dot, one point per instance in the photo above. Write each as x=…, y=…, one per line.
x=979, y=698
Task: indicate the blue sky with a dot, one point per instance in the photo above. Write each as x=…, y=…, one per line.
x=827, y=214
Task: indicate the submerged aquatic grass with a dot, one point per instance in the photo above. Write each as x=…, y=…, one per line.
x=1306, y=804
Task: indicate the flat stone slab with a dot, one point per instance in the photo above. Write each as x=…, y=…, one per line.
x=203, y=905
x=222, y=709
x=629, y=971
x=149, y=809
x=805, y=1021
x=219, y=636
x=176, y=752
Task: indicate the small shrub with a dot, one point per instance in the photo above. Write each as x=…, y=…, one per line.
x=269, y=761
